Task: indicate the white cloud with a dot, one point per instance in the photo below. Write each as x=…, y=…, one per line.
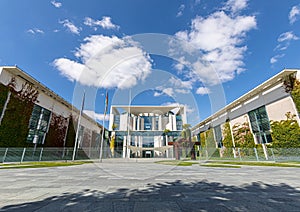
x=161, y=90
x=70, y=26
x=35, y=31
x=275, y=58
x=96, y=116
x=235, y=5
x=294, y=14
x=176, y=104
x=287, y=36
x=180, y=10
x=106, y=62
x=177, y=83
x=56, y=4
x=217, y=39
x=202, y=91
x=174, y=86
x=105, y=23
x=284, y=42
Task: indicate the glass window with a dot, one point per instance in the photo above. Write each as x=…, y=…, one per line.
x=148, y=141
x=260, y=124
x=38, y=124
x=147, y=122
x=179, y=122
x=218, y=135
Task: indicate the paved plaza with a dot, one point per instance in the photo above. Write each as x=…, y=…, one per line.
x=116, y=185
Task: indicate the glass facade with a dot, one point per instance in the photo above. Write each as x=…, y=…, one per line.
x=218, y=136
x=260, y=125
x=147, y=122
x=117, y=122
x=178, y=122
x=38, y=125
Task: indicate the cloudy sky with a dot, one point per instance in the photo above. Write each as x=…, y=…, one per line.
x=201, y=53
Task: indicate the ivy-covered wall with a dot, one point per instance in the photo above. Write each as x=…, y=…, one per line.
x=14, y=126
x=71, y=134
x=57, y=131
x=243, y=138
x=286, y=133
x=296, y=94
x=3, y=96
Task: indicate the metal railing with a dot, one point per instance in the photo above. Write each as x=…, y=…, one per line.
x=251, y=154
x=239, y=154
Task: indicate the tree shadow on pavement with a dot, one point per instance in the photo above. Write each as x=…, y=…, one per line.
x=174, y=196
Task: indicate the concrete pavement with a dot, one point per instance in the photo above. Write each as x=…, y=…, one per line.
x=116, y=185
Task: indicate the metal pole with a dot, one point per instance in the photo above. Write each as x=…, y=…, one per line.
x=4, y=156
x=255, y=151
x=24, y=150
x=102, y=135
x=78, y=126
x=41, y=153
x=102, y=138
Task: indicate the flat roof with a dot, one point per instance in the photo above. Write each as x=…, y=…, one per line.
x=137, y=109
x=252, y=93
x=20, y=73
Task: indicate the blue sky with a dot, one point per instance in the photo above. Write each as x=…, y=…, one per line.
x=202, y=53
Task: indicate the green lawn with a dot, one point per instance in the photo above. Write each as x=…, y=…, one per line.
x=41, y=164
x=254, y=163
x=177, y=162
x=229, y=164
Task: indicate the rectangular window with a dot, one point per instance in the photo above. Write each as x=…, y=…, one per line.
x=218, y=135
x=260, y=125
x=178, y=122
x=38, y=124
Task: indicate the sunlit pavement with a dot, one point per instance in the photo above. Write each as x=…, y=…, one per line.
x=117, y=185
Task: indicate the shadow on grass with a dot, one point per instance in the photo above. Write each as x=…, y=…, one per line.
x=174, y=196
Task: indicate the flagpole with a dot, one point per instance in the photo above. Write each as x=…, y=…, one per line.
x=102, y=135
x=78, y=126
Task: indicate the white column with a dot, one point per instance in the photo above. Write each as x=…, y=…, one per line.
x=124, y=146
x=159, y=123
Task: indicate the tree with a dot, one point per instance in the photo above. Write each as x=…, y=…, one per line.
x=286, y=133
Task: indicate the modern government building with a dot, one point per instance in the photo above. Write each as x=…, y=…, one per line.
x=33, y=115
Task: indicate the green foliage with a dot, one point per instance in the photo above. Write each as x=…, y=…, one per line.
x=186, y=126
x=114, y=126
x=286, y=133
x=71, y=134
x=210, y=140
x=57, y=131
x=202, y=140
x=227, y=138
x=242, y=135
x=14, y=126
x=296, y=94
x=227, y=141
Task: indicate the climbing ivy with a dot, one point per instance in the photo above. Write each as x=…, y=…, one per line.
x=14, y=125
x=57, y=131
x=296, y=94
x=227, y=140
x=286, y=133
x=243, y=138
x=71, y=134
x=3, y=96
